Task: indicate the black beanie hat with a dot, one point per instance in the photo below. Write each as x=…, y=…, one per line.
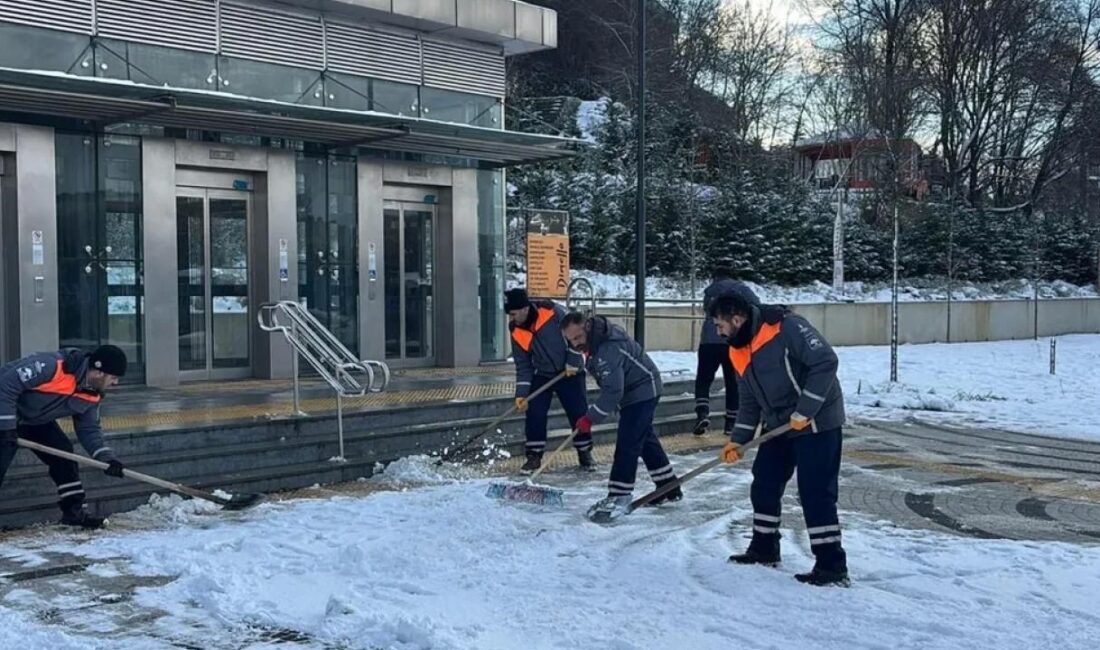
x=109, y=359
x=516, y=299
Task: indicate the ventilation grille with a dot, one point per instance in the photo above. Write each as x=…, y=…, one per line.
x=187, y=24
x=452, y=66
x=65, y=15
x=378, y=54
x=272, y=36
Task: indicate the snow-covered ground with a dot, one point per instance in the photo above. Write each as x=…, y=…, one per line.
x=665, y=289
x=443, y=567
x=1002, y=384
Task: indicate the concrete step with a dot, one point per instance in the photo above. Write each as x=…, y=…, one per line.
x=164, y=440
x=116, y=496
x=129, y=444
x=27, y=480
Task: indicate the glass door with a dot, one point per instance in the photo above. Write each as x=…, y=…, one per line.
x=212, y=233
x=409, y=245
x=99, y=244
x=328, y=233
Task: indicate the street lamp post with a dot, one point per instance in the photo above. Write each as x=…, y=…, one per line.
x=639, y=273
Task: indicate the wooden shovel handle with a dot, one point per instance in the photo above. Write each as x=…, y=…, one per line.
x=128, y=473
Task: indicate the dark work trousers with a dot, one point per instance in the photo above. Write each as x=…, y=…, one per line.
x=817, y=458
x=636, y=438
x=711, y=356
x=65, y=473
x=571, y=392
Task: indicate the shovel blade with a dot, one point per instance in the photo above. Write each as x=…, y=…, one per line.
x=242, y=501
x=526, y=493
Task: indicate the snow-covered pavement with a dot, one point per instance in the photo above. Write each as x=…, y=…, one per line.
x=1003, y=384
x=444, y=567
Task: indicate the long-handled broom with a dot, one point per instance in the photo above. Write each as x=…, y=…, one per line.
x=234, y=502
x=528, y=492
x=459, y=450
x=706, y=467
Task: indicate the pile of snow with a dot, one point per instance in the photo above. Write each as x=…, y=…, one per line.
x=445, y=567
x=414, y=470
x=659, y=289
x=1001, y=384
x=173, y=508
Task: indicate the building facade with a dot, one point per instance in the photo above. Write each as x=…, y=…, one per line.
x=859, y=162
x=167, y=166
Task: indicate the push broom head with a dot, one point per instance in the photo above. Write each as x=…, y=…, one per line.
x=527, y=493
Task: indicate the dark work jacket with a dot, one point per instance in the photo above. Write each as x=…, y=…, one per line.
x=625, y=373
x=787, y=368
x=48, y=386
x=538, y=346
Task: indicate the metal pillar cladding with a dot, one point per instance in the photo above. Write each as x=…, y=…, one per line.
x=640, y=271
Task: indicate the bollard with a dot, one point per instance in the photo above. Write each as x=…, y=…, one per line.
x=1053, y=354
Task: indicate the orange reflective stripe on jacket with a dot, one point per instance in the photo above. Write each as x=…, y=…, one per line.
x=741, y=357
x=525, y=337
x=64, y=383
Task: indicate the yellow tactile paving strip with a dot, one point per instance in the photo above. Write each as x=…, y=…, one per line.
x=312, y=406
x=279, y=385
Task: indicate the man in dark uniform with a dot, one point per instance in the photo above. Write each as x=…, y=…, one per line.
x=788, y=374
x=36, y=391
x=630, y=383
x=714, y=353
x=541, y=354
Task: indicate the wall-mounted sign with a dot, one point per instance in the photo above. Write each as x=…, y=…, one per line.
x=548, y=253
x=223, y=154
x=284, y=261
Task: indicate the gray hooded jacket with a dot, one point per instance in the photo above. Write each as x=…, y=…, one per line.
x=625, y=373
x=47, y=386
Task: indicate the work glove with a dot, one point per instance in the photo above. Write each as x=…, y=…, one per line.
x=521, y=404
x=114, y=468
x=584, y=425
x=571, y=371
x=799, y=422
x=731, y=453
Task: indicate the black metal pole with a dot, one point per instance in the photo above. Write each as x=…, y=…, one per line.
x=639, y=273
x=894, y=305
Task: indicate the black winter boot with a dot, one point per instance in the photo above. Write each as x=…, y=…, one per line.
x=830, y=569
x=702, y=423
x=819, y=577
x=673, y=495
x=78, y=516
x=585, y=460
x=534, y=461
x=763, y=549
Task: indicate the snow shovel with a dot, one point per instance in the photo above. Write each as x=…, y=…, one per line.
x=706, y=467
x=528, y=492
x=235, y=502
x=489, y=427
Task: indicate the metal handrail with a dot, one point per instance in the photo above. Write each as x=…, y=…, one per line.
x=578, y=282
x=332, y=360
